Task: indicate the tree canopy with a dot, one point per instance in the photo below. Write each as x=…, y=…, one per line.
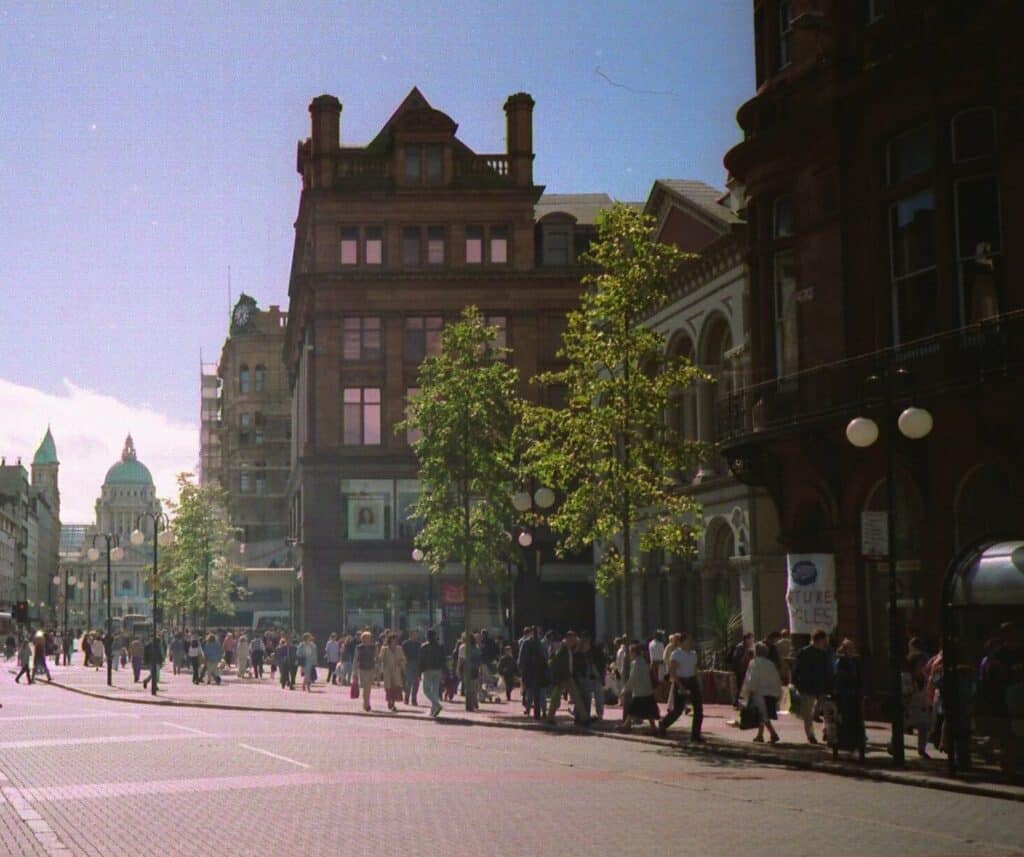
x=610, y=454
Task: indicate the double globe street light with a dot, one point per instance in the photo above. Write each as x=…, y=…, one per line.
x=913, y=423
x=115, y=552
x=164, y=537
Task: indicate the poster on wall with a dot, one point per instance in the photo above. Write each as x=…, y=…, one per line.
x=365, y=518
x=811, y=592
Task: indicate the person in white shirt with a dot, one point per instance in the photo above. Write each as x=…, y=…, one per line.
x=656, y=651
x=332, y=653
x=762, y=688
x=682, y=673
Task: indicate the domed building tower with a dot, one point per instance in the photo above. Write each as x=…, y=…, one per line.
x=128, y=492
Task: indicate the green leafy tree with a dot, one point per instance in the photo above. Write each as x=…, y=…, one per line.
x=196, y=571
x=466, y=412
x=610, y=453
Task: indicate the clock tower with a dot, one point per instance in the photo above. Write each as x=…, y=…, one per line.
x=242, y=315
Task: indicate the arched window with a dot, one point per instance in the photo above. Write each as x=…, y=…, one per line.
x=243, y=379
x=987, y=504
x=260, y=378
x=716, y=342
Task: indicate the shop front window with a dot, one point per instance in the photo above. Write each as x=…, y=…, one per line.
x=366, y=509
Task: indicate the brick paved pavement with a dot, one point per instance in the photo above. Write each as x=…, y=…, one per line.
x=90, y=777
x=721, y=737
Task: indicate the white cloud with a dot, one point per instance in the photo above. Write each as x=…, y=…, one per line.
x=89, y=429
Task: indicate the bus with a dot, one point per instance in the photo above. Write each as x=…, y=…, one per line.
x=136, y=624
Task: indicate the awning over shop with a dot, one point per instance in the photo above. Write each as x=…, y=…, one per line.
x=993, y=577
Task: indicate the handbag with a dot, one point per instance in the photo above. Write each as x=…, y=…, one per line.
x=750, y=718
x=354, y=689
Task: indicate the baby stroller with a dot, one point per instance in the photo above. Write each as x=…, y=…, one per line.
x=844, y=726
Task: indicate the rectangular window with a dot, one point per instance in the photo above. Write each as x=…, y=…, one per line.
x=244, y=482
x=979, y=248
x=435, y=245
x=410, y=245
x=474, y=245
x=408, y=491
x=361, y=338
x=785, y=35
x=413, y=168
x=556, y=247
x=422, y=337
x=373, y=249
x=913, y=265
x=245, y=420
x=261, y=483
x=259, y=379
x=909, y=155
x=412, y=435
x=350, y=245
x=362, y=416
x=499, y=245
x=434, y=162
x=367, y=506
x=258, y=437
x=974, y=134
x=787, y=342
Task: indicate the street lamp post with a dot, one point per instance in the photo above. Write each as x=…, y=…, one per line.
x=417, y=556
x=162, y=535
x=522, y=501
x=913, y=423
x=116, y=552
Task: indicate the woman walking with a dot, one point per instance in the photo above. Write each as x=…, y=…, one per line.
x=25, y=662
x=642, y=704
x=848, y=691
x=256, y=656
x=307, y=660
x=178, y=657
x=365, y=662
x=195, y=657
x=762, y=688
x=392, y=662
x=243, y=655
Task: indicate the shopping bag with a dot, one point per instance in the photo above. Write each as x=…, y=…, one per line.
x=354, y=690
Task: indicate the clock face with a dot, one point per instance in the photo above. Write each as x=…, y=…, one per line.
x=242, y=313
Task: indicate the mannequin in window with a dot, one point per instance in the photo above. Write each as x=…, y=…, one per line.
x=984, y=297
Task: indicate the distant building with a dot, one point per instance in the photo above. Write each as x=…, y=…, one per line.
x=393, y=239
x=30, y=530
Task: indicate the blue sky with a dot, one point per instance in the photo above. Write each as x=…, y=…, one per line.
x=145, y=148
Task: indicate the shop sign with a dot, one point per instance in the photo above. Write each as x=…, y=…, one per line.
x=811, y=592
x=453, y=593
x=874, y=534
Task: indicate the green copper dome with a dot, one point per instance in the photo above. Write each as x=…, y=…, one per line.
x=129, y=470
x=47, y=452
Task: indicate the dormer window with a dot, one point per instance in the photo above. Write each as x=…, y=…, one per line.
x=424, y=162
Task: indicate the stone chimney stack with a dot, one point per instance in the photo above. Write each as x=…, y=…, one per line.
x=519, y=137
x=325, y=111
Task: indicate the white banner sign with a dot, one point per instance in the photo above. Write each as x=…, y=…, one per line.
x=811, y=592
x=874, y=534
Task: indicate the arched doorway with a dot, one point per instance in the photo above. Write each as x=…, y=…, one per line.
x=987, y=504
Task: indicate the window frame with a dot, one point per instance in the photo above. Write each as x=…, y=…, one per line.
x=351, y=324
x=784, y=44
x=365, y=405
x=412, y=237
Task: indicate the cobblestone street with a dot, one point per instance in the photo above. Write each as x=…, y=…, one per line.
x=83, y=776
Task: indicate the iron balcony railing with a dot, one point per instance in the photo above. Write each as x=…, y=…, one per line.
x=955, y=360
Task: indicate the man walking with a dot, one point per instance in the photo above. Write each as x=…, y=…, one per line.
x=332, y=654
x=812, y=678
x=682, y=674
x=430, y=662
x=411, y=650
x=532, y=666
x=212, y=654
x=562, y=679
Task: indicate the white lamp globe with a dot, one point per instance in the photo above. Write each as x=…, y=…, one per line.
x=72, y=580
x=166, y=538
x=93, y=554
x=915, y=423
x=862, y=431
x=117, y=554
x=138, y=537
x=521, y=501
x=56, y=580
x=525, y=539
x=417, y=555
x=544, y=497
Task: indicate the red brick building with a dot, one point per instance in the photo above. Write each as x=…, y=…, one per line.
x=881, y=158
x=392, y=239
